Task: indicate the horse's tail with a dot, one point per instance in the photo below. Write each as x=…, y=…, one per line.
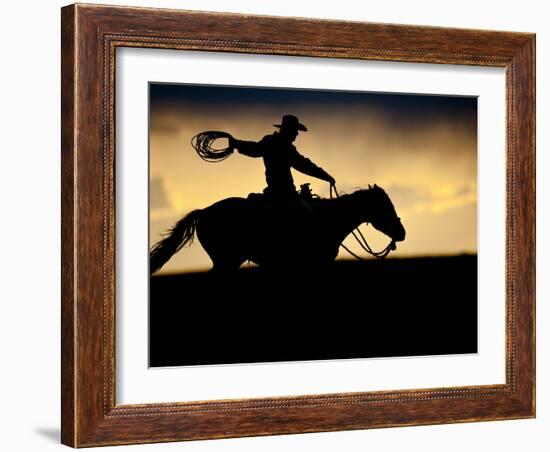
x=175, y=239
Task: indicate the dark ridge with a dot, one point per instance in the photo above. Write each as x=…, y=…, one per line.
x=378, y=308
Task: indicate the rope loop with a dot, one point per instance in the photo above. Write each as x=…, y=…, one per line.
x=203, y=144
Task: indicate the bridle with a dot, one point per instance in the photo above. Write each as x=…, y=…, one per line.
x=361, y=239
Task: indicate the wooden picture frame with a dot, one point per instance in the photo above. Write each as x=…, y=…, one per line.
x=90, y=36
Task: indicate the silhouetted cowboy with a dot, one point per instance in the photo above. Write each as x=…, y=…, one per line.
x=279, y=156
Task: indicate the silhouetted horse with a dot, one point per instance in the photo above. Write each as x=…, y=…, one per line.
x=281, y=236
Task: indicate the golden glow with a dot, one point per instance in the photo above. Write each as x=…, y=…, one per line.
x=429, y=171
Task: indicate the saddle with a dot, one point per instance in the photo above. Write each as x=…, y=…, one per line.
x=305, y=198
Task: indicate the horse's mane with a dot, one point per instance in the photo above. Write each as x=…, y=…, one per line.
x=358, y=194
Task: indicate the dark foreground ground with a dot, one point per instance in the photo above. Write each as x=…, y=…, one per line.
x=380, y=308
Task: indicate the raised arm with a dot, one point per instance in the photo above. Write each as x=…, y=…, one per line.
x=248, y=148
x=306, y=166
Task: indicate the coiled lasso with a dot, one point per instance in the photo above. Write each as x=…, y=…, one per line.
x=203, y=144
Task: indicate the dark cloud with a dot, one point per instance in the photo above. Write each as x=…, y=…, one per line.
x=407, y=111
x=407, y=195
x=157, y=194
x=165, y=124
x=464, y=190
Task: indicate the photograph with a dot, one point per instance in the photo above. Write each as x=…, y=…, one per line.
x=288, y=224
x=292, y=224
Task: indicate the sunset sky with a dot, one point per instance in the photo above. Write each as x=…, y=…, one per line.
x=421, y=149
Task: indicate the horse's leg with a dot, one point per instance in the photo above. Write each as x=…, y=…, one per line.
x=222, y=246
x=226, y=265
x=224, y=259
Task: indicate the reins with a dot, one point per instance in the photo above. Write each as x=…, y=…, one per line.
x=361, y=239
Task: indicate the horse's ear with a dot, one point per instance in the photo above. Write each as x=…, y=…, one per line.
x=369, y=187
x=375, y=186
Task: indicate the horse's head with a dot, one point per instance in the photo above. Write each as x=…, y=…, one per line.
x=381, y=213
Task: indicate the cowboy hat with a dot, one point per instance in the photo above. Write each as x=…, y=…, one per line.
x=291, y=122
